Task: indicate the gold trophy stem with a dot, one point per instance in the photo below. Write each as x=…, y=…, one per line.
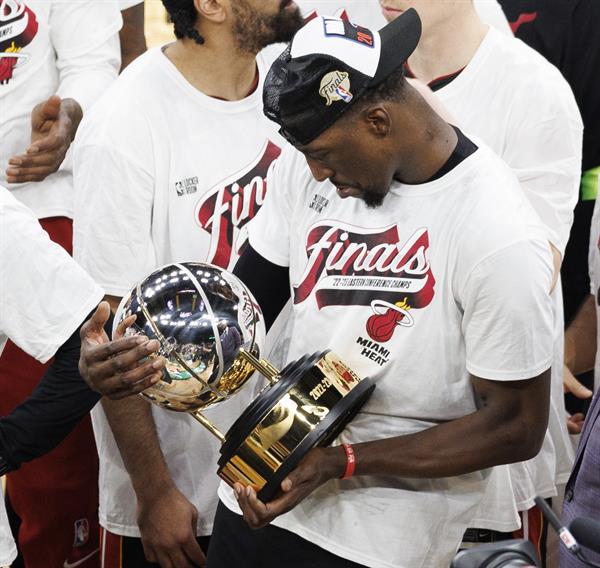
x=265, y=368
x=207, y=424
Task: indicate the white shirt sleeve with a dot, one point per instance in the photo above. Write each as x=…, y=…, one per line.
x=508, y=316
x=491, y=13
x=44, y=294
x=545, y=154
x=112, y=231
x=84, y=35
x=269, y=233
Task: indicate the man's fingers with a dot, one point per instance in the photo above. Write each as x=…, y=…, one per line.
x=95, y=325
x=194, y=553
x=572, y=385
x=54, y=141
x=103, y=355
x=575, y=423
x=117, y=388
x=250, y=516
x=23, y=178
x=51, y=108
x=123, y=326
x=25, y=162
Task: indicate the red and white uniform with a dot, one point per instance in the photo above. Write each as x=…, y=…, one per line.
x=416, y=294
x=44, y=297
x=165, y=173
x=50, y=47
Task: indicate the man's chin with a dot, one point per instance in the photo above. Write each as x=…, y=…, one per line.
x=371, y=199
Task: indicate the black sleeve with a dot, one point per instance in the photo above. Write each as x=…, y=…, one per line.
x=55, y=407
x=268, y=282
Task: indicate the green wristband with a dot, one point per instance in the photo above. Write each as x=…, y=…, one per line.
x=589, y=184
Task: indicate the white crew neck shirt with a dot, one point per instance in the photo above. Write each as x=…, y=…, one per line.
x=165, y=173
x=449, y=256
x=510, y=97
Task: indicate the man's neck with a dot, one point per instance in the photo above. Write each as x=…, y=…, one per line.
x=217, y=68
x=448, y=46
x=432, y=142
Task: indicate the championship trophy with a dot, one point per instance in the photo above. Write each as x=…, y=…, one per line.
x=211, y=333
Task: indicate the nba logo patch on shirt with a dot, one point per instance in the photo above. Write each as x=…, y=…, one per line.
x=343, y=28
x=335, y=86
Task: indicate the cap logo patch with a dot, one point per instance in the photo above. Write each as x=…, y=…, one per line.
x=335, y=86
x=341, y=28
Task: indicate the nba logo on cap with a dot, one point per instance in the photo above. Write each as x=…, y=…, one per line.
x=335, y=86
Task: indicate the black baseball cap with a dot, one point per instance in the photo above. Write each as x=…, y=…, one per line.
x=327, y=66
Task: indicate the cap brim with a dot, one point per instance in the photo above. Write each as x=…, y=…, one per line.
x=398, y=40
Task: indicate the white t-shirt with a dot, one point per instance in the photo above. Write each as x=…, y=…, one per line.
x=444, y=260
x=44, y=297
x=521, y=106
x=54, y=47
x=171, y=175
x=368, y=12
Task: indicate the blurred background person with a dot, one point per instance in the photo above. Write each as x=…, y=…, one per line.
x=509, y=96
x=56, y=58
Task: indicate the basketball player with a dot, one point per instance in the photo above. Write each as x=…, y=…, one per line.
x=45, y=297
x=176, y=174
x=378, y=186
x=56, y=58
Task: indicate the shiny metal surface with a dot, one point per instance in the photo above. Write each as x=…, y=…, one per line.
x=203, y=316
x=300, y=412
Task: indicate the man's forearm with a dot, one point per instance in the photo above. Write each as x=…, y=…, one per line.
x=55, y=407
x=133, y=41
x=133, y=426
x=493, y=435
x=580, y=339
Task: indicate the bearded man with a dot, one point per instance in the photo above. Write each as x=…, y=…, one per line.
x=171, y=167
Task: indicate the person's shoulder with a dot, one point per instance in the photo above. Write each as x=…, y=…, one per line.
x=495, y=212
x=516, y=60
x=127, y=105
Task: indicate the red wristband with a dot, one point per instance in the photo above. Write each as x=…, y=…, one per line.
x=350, y=461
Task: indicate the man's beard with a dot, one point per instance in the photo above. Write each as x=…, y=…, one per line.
x=254, y=30
x=372, y=199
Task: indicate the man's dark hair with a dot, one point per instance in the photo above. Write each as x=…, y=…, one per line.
x=183, y=15
x=393, y=89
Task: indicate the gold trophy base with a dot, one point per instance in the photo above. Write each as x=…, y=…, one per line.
x=310, y=404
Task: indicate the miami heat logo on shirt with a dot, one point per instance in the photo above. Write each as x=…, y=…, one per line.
x=18, y=27
x=352, y=266
x=228, y=207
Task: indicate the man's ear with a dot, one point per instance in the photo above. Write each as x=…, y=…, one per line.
x=212, y=10
x=377, y=119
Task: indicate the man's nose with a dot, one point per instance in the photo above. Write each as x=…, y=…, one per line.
x=319, y=172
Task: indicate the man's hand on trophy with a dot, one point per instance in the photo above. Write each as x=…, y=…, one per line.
x=167, y=522
x=121, y=367
x=318, y=466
